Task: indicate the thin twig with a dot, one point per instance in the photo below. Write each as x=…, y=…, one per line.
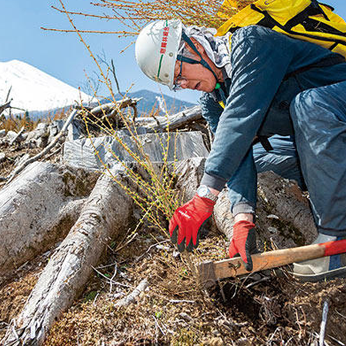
x=113, y=276
x=127, y=243
x=84, y=31
x=336, y=340
x=158, y=325
x=324, y=322
x=108, y=279
x=340, y=314
x=150, y=247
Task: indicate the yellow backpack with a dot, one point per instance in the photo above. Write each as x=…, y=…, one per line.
x=306, y=20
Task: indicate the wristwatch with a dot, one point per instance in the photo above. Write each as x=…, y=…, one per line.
x=203, y=191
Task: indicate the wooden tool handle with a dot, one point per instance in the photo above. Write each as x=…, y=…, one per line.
x=210, y=271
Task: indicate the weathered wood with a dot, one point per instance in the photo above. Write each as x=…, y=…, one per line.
x=38, y=208
x=105, y=214
x=131, y=298
x=111, y=108
x=5, y=106
x=45, y=150
x=81, y=153
x=175, y=121
x=283, y=198
x=17, y=137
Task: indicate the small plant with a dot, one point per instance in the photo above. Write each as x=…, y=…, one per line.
x=158, y=314
x=154, y=194
x=16, y=122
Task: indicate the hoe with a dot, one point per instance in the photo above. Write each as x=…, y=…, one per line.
x=210, y=272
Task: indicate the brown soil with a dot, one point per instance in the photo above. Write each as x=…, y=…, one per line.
x=277, y=310
x=15, y=153
x=12, y=154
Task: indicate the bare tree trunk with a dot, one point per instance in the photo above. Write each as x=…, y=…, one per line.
x=105, y=214
x=282, y=198
x=175, y=121
x=37, y=209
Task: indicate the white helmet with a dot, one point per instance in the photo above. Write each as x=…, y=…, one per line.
x=156, y=50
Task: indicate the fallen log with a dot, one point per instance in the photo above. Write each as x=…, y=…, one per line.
x=294, y=225
x=175, y=121
x=37, y=209
x=105, y=214
x=293, y=219
x=157, y=148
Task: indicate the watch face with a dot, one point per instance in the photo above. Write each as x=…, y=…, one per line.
x=203, y=191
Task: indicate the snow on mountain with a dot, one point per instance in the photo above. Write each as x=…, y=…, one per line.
x=34, y=90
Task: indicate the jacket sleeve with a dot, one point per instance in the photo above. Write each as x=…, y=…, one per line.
x=259, y=63
x=241, y=187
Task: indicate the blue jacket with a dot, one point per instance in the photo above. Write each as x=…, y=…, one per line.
x=258, y=100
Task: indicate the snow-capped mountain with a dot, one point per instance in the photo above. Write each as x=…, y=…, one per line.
x=34, y=90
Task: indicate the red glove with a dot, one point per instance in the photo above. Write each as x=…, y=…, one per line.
x=243, y=242
x=187, y=221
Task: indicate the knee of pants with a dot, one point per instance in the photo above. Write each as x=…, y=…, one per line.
x=324, y=105
x=302, y=106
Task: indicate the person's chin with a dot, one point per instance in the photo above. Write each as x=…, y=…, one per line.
x=207, y=89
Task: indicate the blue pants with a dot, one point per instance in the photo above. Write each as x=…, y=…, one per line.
x=319, y=120
x=282, y=160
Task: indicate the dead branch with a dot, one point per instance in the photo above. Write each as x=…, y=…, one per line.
x=108, y=108
x=172, y=122
x=16, y=138
x=5, y=106
x=131, y=298
x=45, y=150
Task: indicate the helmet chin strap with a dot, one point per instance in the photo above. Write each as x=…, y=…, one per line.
x=192, y=61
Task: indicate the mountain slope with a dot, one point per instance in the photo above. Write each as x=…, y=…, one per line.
x=34, y=90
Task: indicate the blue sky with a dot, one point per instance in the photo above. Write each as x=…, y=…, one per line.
x=63, y=56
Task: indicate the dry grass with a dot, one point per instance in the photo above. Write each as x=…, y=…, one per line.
x=17, y=122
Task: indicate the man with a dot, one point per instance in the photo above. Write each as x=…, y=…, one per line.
x=272, y=84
